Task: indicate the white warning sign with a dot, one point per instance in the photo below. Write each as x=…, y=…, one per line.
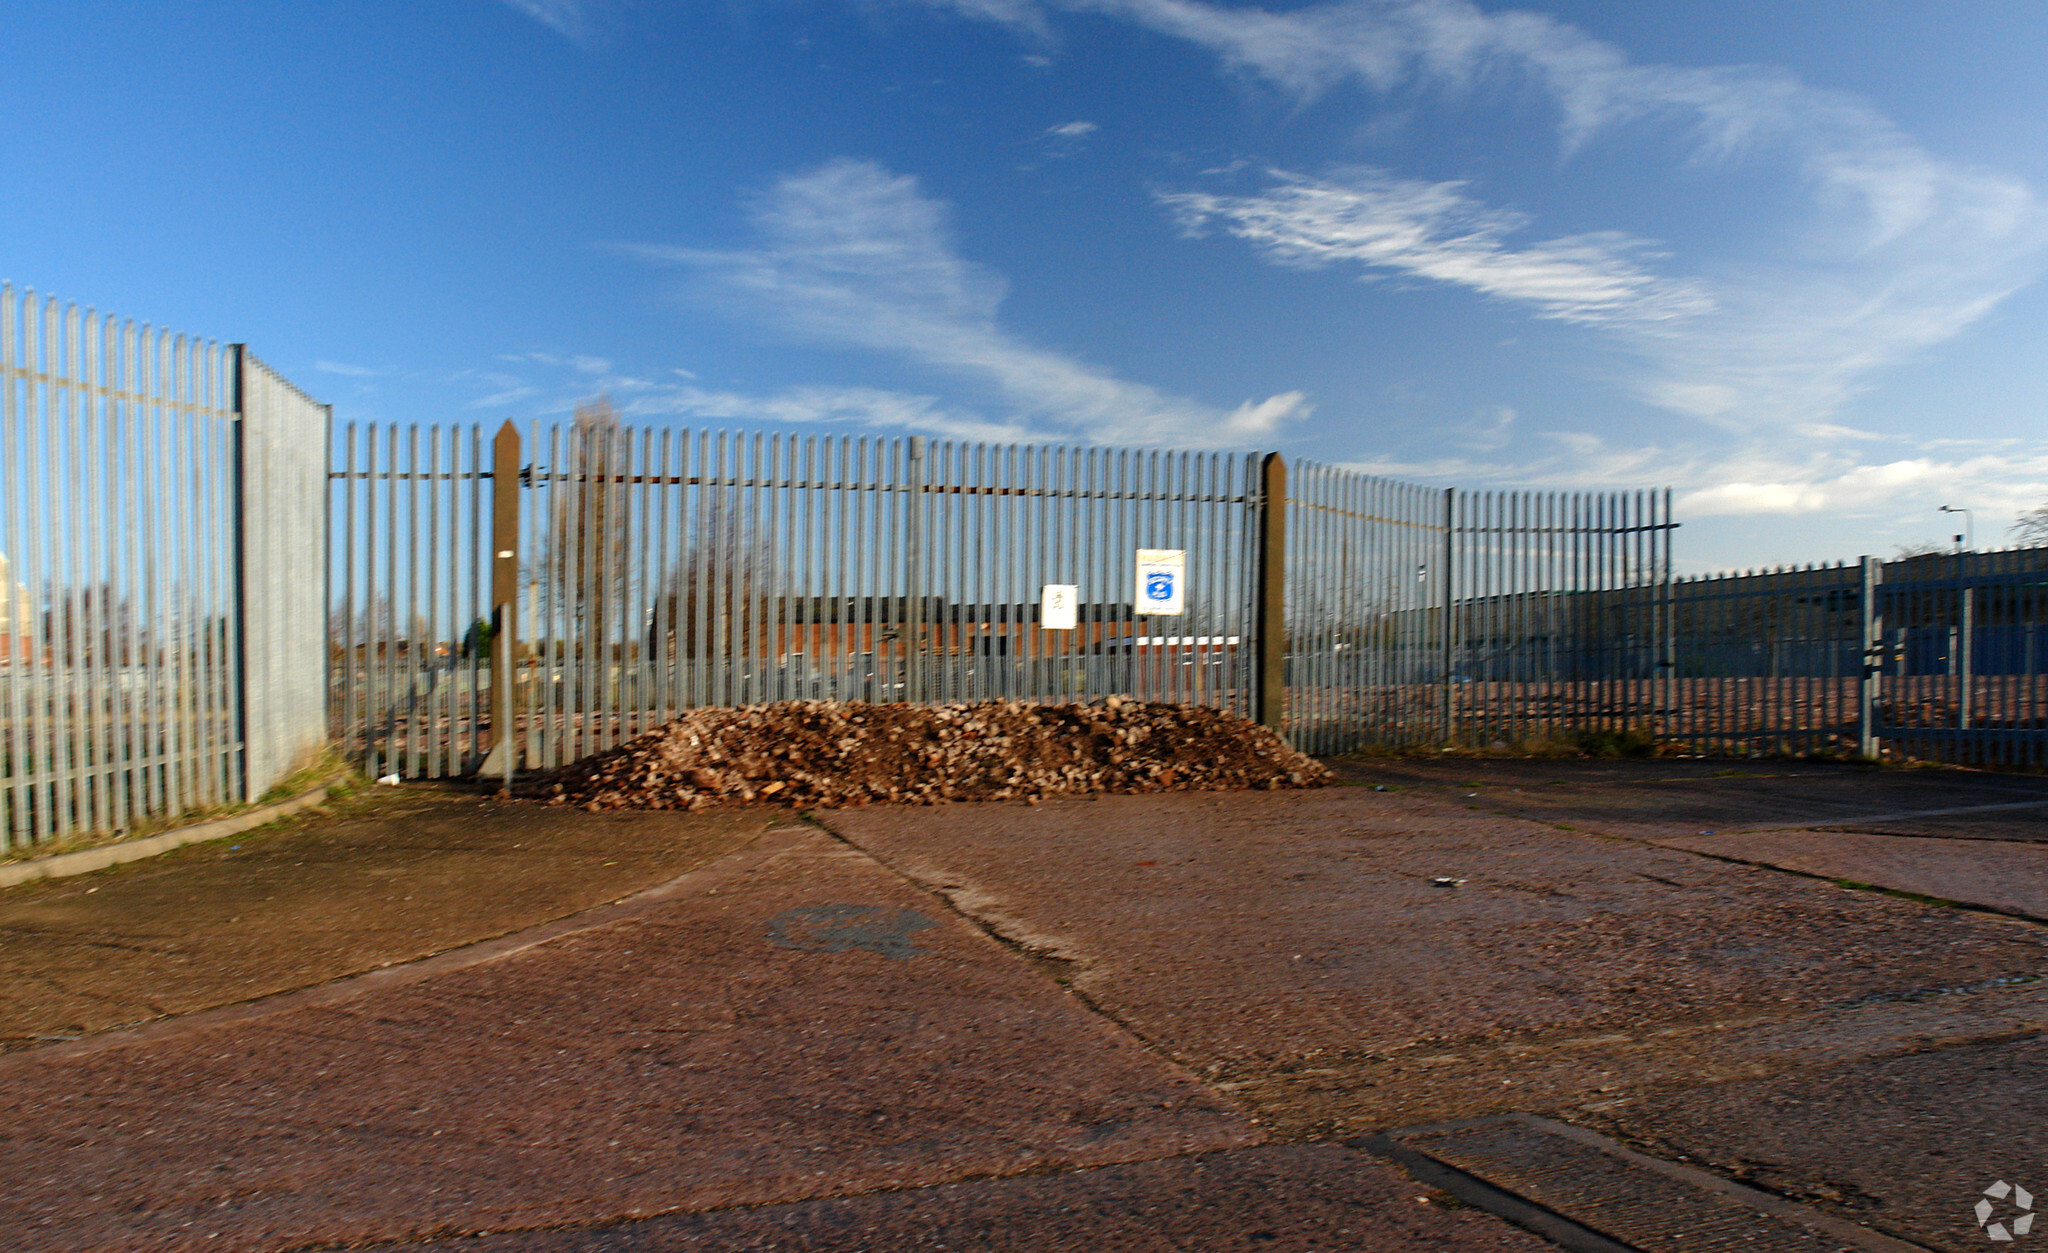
x=1162, y=581
x=1056, y=606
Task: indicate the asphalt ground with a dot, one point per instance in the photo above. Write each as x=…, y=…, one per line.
x=1127, y=1023
x=385, y=876
x=1684, y=796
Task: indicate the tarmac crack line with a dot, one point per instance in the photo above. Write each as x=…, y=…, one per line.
x=1671, y=844
x=1968, y=907
x=1047, y=962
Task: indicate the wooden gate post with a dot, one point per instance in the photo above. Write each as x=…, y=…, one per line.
x=1269, y=676
x=505, y=488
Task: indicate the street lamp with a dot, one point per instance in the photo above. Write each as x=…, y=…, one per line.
x=1969, y=524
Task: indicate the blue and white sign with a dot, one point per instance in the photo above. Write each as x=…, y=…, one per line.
x=1162, y=582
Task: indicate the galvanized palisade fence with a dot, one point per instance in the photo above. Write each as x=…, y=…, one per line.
x=622, y=574
x=193, y=599
x=162, y=601
x=630, y=573
x=626, y=574
x=1940, y=657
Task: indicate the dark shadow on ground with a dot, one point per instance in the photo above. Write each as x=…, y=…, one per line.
x=1719, y=795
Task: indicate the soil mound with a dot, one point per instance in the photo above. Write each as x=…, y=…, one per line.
x=828, y=754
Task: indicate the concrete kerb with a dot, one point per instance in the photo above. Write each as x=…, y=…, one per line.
x=87, y=860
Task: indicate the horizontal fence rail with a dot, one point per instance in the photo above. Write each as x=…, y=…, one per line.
x=132, y=595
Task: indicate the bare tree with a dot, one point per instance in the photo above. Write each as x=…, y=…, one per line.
x=1919, y=548
x=720, y=596
x=586, y=579
x=376, y=626
x=93, y=625
x=2032, y=526
x=337, y=629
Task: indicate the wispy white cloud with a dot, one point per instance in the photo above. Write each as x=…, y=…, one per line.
x=553, y=385
x=509, y=396
x=1434, y=231
x=1762, y=483
x=854, y=255
x=344, y=369
x=862, y=408
x=1557, y=460
x=1495, y=431
x=570, y=18
x=1020, y=15
x=1067, y=139
x=499, y=388
x=1889, y=497
x=577, y=19
x=1888, y=250
x=1881, y=248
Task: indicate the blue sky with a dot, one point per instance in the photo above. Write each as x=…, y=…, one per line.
x=1784, y=257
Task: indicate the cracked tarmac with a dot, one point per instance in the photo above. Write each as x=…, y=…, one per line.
x=1122, y=1023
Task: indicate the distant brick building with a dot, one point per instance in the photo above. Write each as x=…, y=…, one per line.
x=17, y=617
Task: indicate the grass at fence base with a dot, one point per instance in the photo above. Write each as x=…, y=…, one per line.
x=340, y=778
x=324, y=765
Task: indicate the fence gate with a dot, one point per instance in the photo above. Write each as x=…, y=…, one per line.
x=1493, y=620
x=1956, y=657
x=640, y=572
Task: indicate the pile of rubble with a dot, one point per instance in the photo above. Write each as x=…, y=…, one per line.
x=828, y=754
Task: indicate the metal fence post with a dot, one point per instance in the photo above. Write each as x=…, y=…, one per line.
x=503, y=757
x=1449, y=616
x=915, y=611
x=1269, y=691
x=1869, y=690
x=238, y=509
x=327, y=718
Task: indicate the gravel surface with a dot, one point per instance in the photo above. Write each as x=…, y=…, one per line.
x=829, y=754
